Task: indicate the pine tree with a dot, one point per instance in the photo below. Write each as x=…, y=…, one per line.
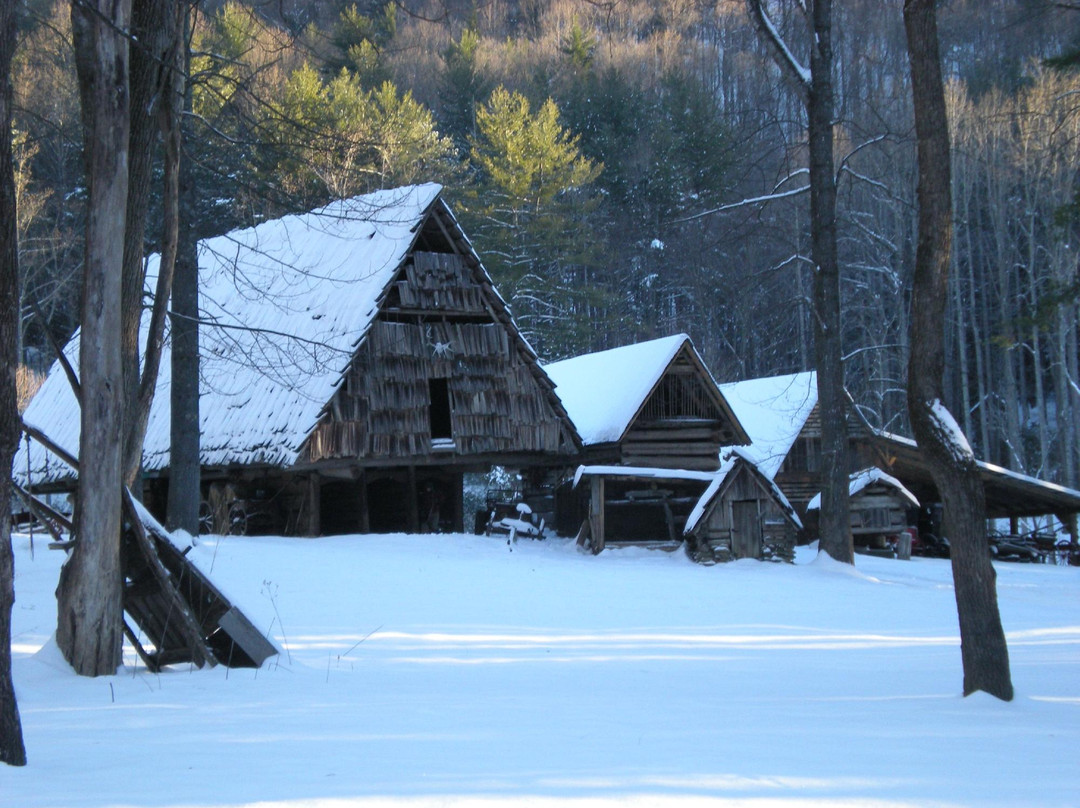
x=532, y=210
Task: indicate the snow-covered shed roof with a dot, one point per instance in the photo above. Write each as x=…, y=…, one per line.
x=731, y=460
x=863, y=479
x=603, y=392
x=773, y=411
x=284, y=305
x=642, y=473
x=1008, y=493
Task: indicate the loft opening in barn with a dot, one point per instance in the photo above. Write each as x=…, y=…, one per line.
x=356, y=363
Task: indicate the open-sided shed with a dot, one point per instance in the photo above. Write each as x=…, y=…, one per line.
x=781, y=416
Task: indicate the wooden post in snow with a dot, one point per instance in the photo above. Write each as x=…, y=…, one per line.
x=596, y=513
x=413, y=502
x=365, y=517
x=314, y=504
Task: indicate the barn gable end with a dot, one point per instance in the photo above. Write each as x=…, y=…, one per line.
x=653, y=404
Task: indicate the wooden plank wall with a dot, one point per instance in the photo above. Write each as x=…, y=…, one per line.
x=382, y=410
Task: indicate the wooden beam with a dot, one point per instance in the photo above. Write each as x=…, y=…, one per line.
x=314, y=496
x=413, y=501
x=365, y=516
x=459, y=503
x=55, y=448
x=52, y=519
x=596, y=513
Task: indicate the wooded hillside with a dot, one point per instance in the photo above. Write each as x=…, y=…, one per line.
x=604, y=156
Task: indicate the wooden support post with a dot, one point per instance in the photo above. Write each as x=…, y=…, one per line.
x=1014, y=525
x=365, y=517
x=413, y=501
x=596, y=513
x=1068, y=520
x=459, y=503
x=314, y=497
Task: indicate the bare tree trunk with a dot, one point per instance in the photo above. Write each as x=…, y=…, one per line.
x=952, y=464
x=184, y=488
x=89, y=627
x=835, y=524
x=816, y=90
x=12, y=749
x=156, y=102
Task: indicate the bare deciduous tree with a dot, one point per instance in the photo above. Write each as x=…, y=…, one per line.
x=12, y=749
x=815, y=88
x=89, y=627
x=942, y=443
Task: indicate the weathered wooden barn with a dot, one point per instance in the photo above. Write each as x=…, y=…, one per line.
x=781, y=416
x=742, y=514
x=652, y=422
x=356, y=361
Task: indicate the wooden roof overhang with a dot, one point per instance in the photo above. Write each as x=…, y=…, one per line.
x=1008, y=494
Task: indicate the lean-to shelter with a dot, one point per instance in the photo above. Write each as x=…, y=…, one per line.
x=356, y=361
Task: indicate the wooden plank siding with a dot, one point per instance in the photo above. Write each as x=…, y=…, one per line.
x=384, y=408
x=682, y=424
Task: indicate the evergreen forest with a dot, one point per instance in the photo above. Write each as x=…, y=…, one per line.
x=630, y=169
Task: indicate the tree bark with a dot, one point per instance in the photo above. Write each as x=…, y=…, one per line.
x=816, y=91
x=952, y=463
x=89, y=628
x=156, y=101
x=184, y=469
x=12, y=749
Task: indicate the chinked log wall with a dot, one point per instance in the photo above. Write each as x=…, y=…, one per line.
x=383, y=408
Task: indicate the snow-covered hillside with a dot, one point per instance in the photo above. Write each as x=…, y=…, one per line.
x=450, y=670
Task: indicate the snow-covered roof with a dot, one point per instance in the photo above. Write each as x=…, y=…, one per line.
x=603, y=391
x=864, y=478
x=284, y=306
x=643, y=472
x=773, y=411
x=991, y=470
x=728, y=464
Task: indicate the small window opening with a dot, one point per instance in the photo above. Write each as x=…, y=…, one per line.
x=439, y=411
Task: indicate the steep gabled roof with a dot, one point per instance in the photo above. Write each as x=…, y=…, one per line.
x=773, y=411
x=604, y=392
x=284, y=305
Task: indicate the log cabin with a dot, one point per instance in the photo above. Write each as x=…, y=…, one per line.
x=356, y=362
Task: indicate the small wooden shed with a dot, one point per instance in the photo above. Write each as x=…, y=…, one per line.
x=880, y=506
x=742, y=514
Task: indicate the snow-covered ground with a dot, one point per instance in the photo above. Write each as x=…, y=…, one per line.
x=448, y=670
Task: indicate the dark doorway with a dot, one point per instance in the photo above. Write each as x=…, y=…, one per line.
x=388, y=505
x=439, y=412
